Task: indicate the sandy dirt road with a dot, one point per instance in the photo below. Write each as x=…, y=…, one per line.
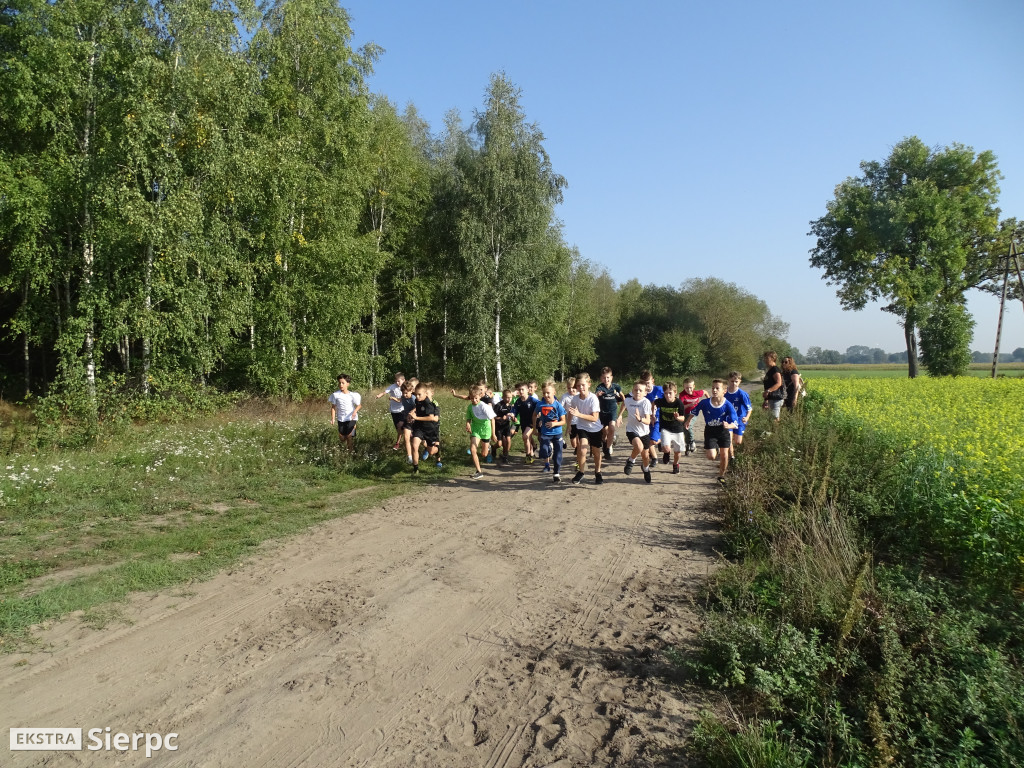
x=493, y=624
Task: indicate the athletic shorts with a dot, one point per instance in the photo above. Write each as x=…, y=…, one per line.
x=430, y=438
x=716, y=437
x=645, y=440
x=398, y=419
x=482, y=430
x=673, y=441
x=594, y=439
x=346, y=428
x=502, y=429
x=573, y=432
x=606, y=418
x=740, y=429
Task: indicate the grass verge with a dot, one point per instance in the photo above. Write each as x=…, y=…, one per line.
x=840, y=638
x=145, y=507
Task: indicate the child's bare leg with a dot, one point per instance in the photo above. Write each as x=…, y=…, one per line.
x=416, y=451
x=723, y=462
x=581, y=455
x=598, y=455
x=474, y=443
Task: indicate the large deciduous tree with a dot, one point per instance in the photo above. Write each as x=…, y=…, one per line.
x=904, y=232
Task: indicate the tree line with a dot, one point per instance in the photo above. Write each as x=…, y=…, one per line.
x=205, y=193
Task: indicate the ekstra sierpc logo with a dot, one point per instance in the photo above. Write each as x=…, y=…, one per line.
x=70, y=740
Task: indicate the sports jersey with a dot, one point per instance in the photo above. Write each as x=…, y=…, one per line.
x=503, y=410
x=395, y=390
x=345, y=405
x=740, y=401
x=408, y=404
x=635, y=410
x=479, y=417
x=715, y=415
x=656, y=393
x=667, y=414
x=525, y=408
x=609, y=397
x=690, y=400
x=588, y=406
x=546, y=414
x=427, y=407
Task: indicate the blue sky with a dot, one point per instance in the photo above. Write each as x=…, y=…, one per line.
x=702, y=138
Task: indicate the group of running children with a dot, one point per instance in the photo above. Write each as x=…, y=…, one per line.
x=657, y=417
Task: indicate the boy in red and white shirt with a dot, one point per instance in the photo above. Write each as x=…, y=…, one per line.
x=689, y=397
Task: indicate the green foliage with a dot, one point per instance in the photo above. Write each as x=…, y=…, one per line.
x=946, y=340
x=908, y=229
x=837, y=657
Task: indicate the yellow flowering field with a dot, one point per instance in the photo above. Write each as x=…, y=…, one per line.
x=977, y=425
x=967, y=435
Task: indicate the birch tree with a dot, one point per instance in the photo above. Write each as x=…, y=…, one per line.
x=509, y=194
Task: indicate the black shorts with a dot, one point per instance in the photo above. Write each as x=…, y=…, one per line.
x=428, y=437
x=716, y=437
x=573, y=432
x=502, y=429
x=606, y=418
x=398, y=419
x=594, y=439
x=346, y=428
x=645, y=440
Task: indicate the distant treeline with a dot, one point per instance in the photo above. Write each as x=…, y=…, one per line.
x=858, y=355
x=195, y=192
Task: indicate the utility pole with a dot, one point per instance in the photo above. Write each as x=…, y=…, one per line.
x=1011, y=258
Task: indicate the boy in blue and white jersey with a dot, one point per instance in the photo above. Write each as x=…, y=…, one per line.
x=654, y=392
x=719, y=418
x=741, y=402
x=549, y=420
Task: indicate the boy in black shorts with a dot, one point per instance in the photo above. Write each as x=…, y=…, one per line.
x=609, y=395
x=426, y=418
x=719, y=418
x=503, y=423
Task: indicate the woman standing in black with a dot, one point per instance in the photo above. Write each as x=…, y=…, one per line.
x=774, y=388
x=794, y=383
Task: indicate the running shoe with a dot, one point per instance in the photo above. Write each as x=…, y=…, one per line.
x=556, y=478
x=611, y=451
x=415, y=469
x=547, y=467
x=675, y=469
x=439, y=465
x=577, y=478
x=489, y=459
x=529, y=459
x=647, y=476
x=721, y=481
x=469, y=452
x=598, y=478
x=476, y=476
x=408, y=459
x=665, y=457
x=607, y=452
x=628, y=469
x=426, y=455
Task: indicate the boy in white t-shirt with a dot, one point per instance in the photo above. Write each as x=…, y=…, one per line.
x=345, y=408
x=394, y=394
x=586, y=412
x=640, y=413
